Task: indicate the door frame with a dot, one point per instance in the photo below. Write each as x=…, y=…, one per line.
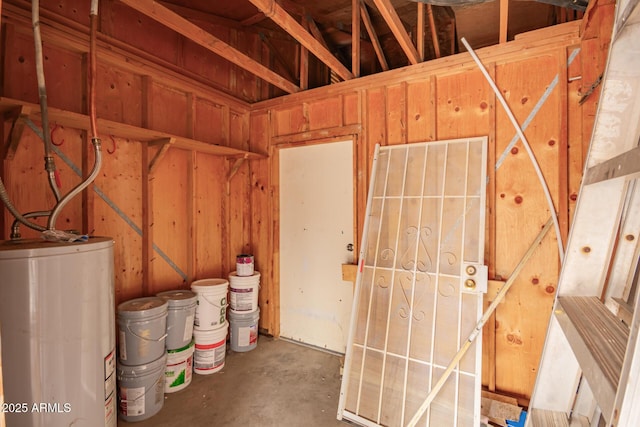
x=275, y=180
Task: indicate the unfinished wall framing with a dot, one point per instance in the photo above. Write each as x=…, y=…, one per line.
x=176, y=214
x=187, y=216
x=447, y=99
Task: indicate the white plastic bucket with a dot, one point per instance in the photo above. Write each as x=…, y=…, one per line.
x=142, y=325
x=182, y=309
x=243, y=292
x=141, y=390
x=244, y=330
x=211, y=308
x=244, y=265
x=179, y=370
x=211, y=346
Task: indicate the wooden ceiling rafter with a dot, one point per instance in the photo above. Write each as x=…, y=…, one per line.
x=504, y=20
x=169, y=18
x=377, y=47
x=280, y=16
x=392, y=19
x=420, y=35
x=355, y=37
x=434, y=32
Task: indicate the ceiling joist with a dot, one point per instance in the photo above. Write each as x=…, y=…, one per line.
x=169, y=18
x=277, y=14
x=397, y=28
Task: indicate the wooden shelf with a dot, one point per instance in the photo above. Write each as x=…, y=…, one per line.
x=122, y=130
x=598, y=340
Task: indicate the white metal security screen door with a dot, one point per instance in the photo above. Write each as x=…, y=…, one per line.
x=419, y=287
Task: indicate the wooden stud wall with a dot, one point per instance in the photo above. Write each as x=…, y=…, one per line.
x=449, y=98
x=198, y=211
x=186, y=219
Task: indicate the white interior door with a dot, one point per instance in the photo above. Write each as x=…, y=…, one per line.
x=316, y=227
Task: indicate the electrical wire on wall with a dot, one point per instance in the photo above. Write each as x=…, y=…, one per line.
x=536, y=166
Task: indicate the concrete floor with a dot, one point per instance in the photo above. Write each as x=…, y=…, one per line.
x=279, y=383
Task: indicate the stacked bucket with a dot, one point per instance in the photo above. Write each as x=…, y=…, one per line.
x=210, y=325
x=179, y=341
x=244, y=312
x=142, y=358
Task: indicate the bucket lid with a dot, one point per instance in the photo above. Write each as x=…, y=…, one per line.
x=234, y=276
x=142, y=307
x=179, y=297
x=207, y=284
x=240, y=315
x=138, y=370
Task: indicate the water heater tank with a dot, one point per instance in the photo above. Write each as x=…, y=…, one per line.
x=57, y=325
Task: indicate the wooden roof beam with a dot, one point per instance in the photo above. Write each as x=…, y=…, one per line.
x=504, y=20
x=397, y=28
x=169, y=18
x=434, y=33
x=377, y=47
x=280, y=16
x=355, y=37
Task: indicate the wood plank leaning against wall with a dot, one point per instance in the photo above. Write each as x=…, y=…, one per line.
x=449, y=98
x=181, y=222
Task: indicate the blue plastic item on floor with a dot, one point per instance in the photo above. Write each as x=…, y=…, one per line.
x=519, y=423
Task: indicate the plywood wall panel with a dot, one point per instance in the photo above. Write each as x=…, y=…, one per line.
x=19, y=66
x=28, y=186
x=576, y=146
x=326, y=113
x=376, y=118
x=291, y=120
x=396, y=114
x=521, y=210
x=118, y=214
x=130, y=26
x=119, y=95
x=209, y=178
x=210, y=122
x=170, y=221
x=351, y=110
x=239, y=219
x=419, y=108
x=462, y=105
x=261, y=226
x=198, y=59
x=169, y=110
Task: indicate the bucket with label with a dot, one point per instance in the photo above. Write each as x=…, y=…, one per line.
x=244, y=330
x=211, y=346
x=211, y=308
x=141, y=389
x=181, y=313
x=142, y=326
x=243, y=292
x=178, y=372
x=244, y=265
